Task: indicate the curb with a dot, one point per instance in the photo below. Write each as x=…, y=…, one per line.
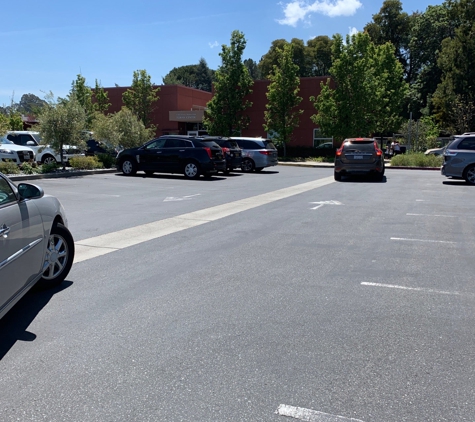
x=76, y=173
x=330, y=165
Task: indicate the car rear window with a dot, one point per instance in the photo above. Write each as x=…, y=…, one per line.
x=269, y=145
x=205, y=143
x=467, y=143
x=359, y=146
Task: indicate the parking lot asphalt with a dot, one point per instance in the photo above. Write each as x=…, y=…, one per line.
x=75, y=173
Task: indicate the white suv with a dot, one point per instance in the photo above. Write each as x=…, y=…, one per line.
x=9, y=152
x=44, y=153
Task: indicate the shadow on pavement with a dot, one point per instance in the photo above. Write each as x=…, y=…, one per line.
x=13, y=326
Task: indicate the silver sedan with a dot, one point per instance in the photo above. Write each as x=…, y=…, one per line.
x=35, y=243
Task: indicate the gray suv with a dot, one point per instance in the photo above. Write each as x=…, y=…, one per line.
x=359, y=156
x=257, y=153
x=459, y=158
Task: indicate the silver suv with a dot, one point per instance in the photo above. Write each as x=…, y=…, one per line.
x=459, y=158
x=257, y=153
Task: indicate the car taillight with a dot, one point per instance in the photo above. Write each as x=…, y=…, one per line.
x=378, y=151
x=208, y=150
x=265, y=152
x=339, y=151
x=225, y=150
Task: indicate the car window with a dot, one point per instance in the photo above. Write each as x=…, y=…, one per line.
x=467, y=143
x=6, y=192
x=359, y=146
x=174, y=143
x=209, y=143
x=155, y=144
x=269, y=145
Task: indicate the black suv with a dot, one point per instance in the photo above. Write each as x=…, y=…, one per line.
x=96, y=147
x=231, y=151
x=359, y=156
x=173, y=154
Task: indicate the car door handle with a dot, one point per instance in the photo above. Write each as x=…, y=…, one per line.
x=4, y=231
x=158, y=152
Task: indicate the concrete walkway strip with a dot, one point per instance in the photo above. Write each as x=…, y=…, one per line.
x=311, y=415
x=111, y=242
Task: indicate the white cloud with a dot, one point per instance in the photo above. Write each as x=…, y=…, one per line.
x=214, y=44
x=299, y=10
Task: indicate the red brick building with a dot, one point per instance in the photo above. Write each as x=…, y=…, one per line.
x=180, y=109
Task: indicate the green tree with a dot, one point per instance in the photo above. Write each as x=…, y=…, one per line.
x=141, y=96
x=122, y=129
x=420, y=134
x=198, y=76
x=253, y=69
x=62, y=122
x=30, y=104
x=101, y=99
x=225, y=114
x=369, y=91
x=319, y=56
x=271, y=58
x=457, y=63
x=83, y=95
x=393, y=25
x=281, y=116
x=4, y=124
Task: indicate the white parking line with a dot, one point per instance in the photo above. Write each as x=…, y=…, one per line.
x=311, y=415
x=111, y=242
x=431, y=215
x=421, y=240
x=417, y=289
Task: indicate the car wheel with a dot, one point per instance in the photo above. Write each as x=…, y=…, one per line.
x=259, y=168
x=337, y=176
x=129, y=167
x=48, y=159
x=191, y=170
x=59, y=256
x=247, y=165
x=470, y=175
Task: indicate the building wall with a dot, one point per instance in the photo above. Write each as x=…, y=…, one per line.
x=303, y=135
x=182, y=98
x=172, y=98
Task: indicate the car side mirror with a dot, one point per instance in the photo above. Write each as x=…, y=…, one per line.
x=30, y=143
x=28, y=191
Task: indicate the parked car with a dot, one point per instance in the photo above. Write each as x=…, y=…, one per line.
x=173, y=154
x=325, y=150
x=359, y=156
x=257, y=153
x=35, y=243
x=459, y=158
x=43, y=153
x=9, y=152
x=94, y=147
x=231, y=151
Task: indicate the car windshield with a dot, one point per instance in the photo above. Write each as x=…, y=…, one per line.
x=37, y=137
x=5, y=141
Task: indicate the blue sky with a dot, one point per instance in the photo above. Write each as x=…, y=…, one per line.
x=45, y=45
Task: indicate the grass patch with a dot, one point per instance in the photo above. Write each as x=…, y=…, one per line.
x=417, y=159
x=9, y=168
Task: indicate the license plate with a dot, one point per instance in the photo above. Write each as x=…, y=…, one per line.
x=358, y=157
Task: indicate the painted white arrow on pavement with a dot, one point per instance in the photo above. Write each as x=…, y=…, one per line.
x=322, y=203
x=183, y=198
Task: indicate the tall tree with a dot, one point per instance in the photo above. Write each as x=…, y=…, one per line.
x=369, y=89
x=141, y=97
x=253, y=69
x=457, y=63
x=101, y=98
x=198, y=76
x=225, y=114
x=282, y=116
x=62, y=122
x=393, y=25
x=83, y=95
x=319, y=56
x=30, y=104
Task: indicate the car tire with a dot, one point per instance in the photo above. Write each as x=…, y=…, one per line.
x=48, y=159
x=191, y=170
x=247, y=165
x=128, y=167
x=469, y=175
x=59, y=256
x=337, y=176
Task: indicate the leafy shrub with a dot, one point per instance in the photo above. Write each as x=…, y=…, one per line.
x=85, y=163
x=417, y=159
x=49, y=168
x=29, y=168
x=9, y=168
x=107, y=160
